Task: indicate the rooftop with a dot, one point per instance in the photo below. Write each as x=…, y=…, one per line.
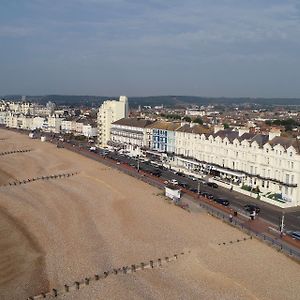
x=133, y=122
x=165, y=125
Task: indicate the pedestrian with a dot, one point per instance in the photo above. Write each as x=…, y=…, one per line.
x=230, y=218
x=231, y=188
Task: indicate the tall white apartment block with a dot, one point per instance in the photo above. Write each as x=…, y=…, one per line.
x=109, y=112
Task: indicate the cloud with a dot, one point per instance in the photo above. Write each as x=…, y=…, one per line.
x=16, y=31
x=151, y=34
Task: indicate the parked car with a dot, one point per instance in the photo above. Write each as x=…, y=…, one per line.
x=192, y=177
x=207, y=195
x=251, y=208
x=180, y=174
x=212, y=184
x=295, y=235
x=222, y=201
x=173, y=181
x=155, y=173
x=183, y=184
x=194, y=190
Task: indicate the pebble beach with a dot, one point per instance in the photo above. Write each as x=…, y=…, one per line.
x=54, y=232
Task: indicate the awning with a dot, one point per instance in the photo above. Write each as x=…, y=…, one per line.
x=154, y=153
x=189, y=161
x=233, y=173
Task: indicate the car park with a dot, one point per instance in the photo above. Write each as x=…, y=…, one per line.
x=251, y=208
x=222, y=201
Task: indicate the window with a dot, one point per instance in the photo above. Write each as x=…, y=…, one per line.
x=287, y=178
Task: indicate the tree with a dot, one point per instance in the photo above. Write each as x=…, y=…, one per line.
x=198, y=120
x=268, y=122
x=288, y=127
x=187, y=119
x=226, y=126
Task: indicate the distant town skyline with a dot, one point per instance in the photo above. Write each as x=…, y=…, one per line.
x=216, y=48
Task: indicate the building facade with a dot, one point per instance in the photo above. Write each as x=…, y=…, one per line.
x=131, y=134
x=163, y=136
x=267, y=165
x=109, y=112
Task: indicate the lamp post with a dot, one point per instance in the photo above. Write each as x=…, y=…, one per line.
x=198, y=187
x=138, y=163
x=282, y=224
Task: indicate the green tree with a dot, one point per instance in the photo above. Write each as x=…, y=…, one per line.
x=226, y=126
x=268, y=122
x=187, y=119
x=198, y=120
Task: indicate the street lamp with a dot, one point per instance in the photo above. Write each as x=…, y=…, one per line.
x=138, y=163
x=282, y=224
x=198, y=187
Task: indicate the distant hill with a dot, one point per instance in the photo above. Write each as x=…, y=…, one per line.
x=95, y=101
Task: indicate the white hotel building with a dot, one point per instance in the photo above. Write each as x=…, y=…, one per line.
x=266, y=163
x=109, y=112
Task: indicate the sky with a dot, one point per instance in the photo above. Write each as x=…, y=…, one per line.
x=231, y=48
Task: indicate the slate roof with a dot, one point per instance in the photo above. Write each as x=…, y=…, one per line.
x=261, y=139
x=196, y=129
x=165, y=125
x=230, y=134
x=133, y=122
x=285, y=142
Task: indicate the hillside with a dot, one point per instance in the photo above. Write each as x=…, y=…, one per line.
x=95, y=101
